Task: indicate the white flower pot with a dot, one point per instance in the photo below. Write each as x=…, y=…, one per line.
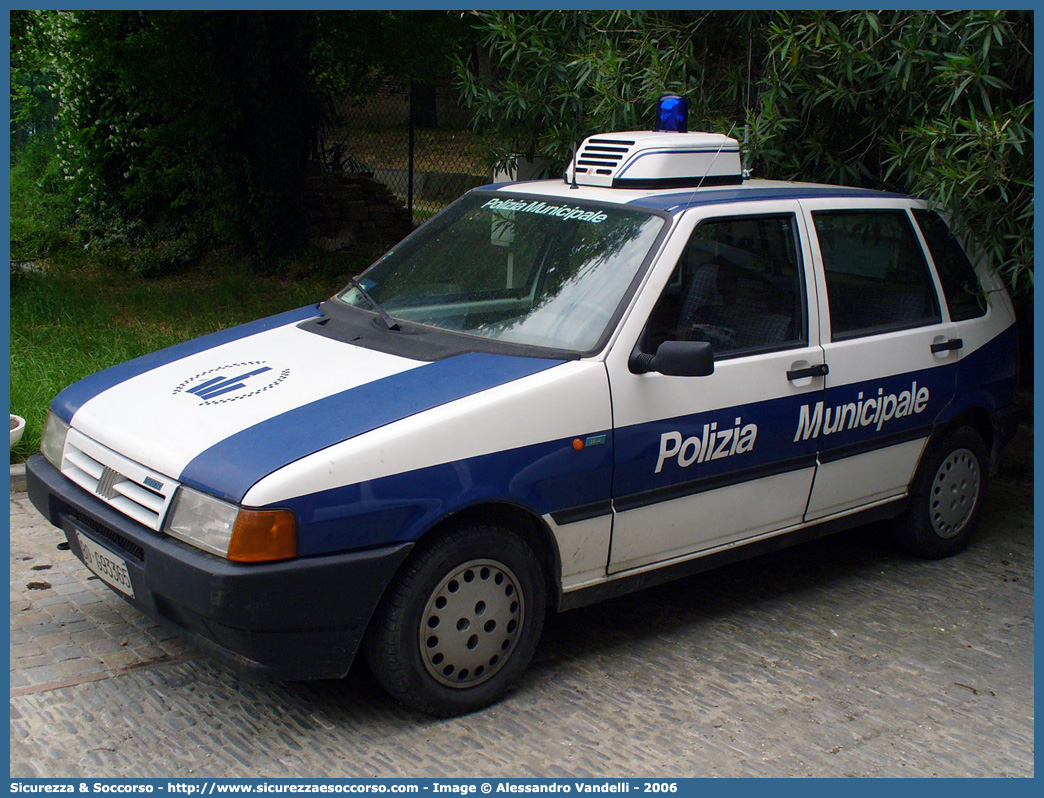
x=17, y=428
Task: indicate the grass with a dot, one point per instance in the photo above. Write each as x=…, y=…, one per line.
x=68, y=322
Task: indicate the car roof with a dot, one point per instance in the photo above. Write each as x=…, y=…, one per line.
x=674, y=200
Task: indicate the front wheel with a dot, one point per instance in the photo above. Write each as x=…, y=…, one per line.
x=460, y=623
x=947, y=496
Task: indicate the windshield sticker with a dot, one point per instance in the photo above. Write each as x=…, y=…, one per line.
x=872, y=411
x=565, y=212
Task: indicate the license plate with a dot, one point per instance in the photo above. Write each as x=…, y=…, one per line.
x=106, y=565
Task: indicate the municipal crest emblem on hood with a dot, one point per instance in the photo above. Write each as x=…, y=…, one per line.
x=232, y=382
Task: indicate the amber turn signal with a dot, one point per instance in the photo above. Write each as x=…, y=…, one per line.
x=263, y=536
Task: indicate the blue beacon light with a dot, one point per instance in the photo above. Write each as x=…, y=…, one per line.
x=672, y=114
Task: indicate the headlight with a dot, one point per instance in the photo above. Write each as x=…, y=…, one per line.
x=230, y=531
x=53, y=443
x=202, y=520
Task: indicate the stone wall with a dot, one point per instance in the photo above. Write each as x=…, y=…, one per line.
x=348, y=211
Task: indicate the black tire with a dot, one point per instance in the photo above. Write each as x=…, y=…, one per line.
x=461, y=621
x=947, y=496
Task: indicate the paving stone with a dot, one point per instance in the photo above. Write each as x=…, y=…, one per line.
x=18, y=679
x=41, y=674
x=839, y=658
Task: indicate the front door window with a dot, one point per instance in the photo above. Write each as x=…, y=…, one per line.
x=738, y=285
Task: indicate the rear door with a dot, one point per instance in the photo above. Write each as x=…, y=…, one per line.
x=981, y=311
x=704, y=462
x=891, y=356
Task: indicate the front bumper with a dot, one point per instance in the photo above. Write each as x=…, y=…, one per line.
x=296, y=619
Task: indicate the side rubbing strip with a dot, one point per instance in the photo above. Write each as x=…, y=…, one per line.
x=645, y=498
x=582, y=513
x=880, y=442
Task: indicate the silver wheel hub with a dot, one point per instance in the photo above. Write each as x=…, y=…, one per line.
x=955, y=492
x=471, y=623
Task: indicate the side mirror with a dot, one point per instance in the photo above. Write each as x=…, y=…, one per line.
x=675, y=359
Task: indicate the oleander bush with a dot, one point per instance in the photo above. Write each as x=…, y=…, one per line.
x=937, y=104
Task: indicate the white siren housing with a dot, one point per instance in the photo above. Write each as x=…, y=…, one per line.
x=657, y=159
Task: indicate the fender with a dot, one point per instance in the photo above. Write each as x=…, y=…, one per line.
x=539, y=479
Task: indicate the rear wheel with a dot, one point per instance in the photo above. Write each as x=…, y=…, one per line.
x=947, y=496
x=461, y=622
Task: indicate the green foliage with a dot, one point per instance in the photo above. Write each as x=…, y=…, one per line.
x=935, y=104
x=354, y=53
x=180, y=128
x=42, y=204
x=33, y=80
x=193, y=121
x=556, y=77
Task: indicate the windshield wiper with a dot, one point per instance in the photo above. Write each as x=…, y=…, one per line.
x=388, y=320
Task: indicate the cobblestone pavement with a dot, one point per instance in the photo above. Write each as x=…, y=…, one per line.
x=836, y=658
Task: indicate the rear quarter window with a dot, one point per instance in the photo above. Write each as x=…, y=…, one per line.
x=960, y=283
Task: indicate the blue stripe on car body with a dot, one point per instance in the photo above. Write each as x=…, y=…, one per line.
x=986, y=377
x=551, y=477
x=231, y=467
x=66, y=403
x=777, y=420
x=541, y=477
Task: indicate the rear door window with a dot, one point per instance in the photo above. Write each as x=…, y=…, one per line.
x=876, y=273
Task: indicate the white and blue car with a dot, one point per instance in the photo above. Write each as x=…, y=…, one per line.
x=551, y=393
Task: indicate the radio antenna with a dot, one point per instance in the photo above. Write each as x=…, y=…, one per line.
x=576, y=130
x=746, y=101
x=745, y=164
x=710, y=166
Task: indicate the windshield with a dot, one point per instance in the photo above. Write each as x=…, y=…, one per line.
x=539, y=272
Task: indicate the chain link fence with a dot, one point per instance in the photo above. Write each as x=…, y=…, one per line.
x=413, y=138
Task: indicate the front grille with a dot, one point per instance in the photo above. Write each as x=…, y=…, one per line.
x=114, y=538
x=129, y=487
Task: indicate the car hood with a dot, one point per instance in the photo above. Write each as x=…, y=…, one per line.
x=221, y=412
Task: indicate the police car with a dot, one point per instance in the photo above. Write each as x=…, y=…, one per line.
x=551, y=393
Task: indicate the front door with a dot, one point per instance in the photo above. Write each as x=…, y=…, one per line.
x=704, y=462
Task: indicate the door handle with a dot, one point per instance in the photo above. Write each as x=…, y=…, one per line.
x=818, y=370
x=946, y=346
